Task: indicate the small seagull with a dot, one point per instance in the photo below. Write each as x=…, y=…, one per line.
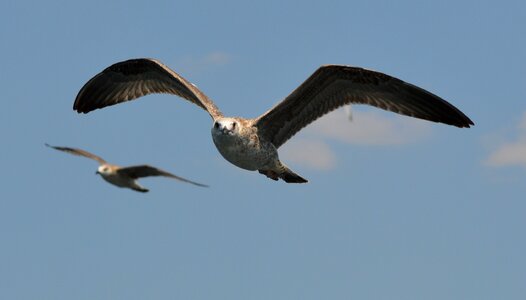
x=252, y=144
x=125, y=177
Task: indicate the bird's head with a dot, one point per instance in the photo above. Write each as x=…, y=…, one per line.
x=226, y=127
x=103, y=170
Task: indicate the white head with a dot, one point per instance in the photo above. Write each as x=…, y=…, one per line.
x=103, y=170
x=225, y=127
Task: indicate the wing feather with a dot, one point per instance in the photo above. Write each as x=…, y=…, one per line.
x=136, y=172
x=333, y=86
x=134, y=78
x=78, y=152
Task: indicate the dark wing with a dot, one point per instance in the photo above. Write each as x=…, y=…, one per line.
x=145, y=171
x=134, y=78
x=79, y=152
x=333, y=86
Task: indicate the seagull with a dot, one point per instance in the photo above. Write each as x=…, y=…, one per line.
x=252, y=144
x=125, y=177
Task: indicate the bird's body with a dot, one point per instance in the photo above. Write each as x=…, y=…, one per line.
x=252, y=144
x=125, y=177
x=110, y=174
x=238, y=141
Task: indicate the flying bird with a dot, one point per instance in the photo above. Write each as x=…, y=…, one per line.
x=252, y=144
x=125, y=177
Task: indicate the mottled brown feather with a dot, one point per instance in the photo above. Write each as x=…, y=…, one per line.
x=333, y=86
x=131, y=79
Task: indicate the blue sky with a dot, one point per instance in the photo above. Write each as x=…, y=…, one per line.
x=395, y=208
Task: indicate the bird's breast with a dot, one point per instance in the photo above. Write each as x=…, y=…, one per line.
x=246, y=152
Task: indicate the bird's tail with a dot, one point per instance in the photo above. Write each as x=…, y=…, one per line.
x=137, y=187
x=140, y=189
x=290, y=177
x=284, y=173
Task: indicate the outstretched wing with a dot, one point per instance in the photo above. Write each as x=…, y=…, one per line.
x=145, y=171
x=78, y=152
x=332, y=86
x=131, y=79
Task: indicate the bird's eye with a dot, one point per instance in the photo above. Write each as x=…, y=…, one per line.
x=233, y=125
x=216, y=125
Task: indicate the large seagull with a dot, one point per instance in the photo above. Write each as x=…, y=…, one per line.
x=252, y=144
x=123, y=176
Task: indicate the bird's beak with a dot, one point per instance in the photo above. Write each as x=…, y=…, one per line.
x=226, y=130
x=97, y=172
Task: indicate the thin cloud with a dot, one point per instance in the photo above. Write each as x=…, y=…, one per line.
x=314, y=154
x=511, y=153
x=366, y=128
x=369, y=128
x=212, y=59
x=216, y=58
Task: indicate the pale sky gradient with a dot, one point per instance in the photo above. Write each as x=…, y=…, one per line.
x=511, y=153
x=395, y=208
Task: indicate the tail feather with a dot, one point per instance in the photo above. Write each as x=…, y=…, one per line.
x=285, y=173
x=291, y=177
x=141, y=189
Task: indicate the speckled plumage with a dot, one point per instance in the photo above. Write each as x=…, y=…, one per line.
x=252, y=144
